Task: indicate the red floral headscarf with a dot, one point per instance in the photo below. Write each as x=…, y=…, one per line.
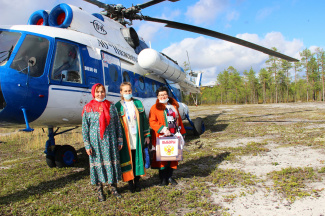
x=101, y=107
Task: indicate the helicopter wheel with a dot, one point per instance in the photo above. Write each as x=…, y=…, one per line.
x=50, y=160
x=66, y=156
x=199, y=127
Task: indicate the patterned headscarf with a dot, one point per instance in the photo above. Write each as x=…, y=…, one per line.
x=101, y=107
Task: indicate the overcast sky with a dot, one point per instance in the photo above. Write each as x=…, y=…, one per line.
x=288, y=25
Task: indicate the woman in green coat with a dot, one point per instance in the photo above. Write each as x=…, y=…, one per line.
x=136, y=135
x=102, y=136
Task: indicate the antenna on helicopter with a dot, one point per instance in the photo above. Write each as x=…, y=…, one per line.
x=193, y=78
x=191, y=73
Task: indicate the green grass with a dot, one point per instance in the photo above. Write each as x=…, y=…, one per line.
x=321, y=170
x=232, y=177
x=29, y=187
x=292, y=181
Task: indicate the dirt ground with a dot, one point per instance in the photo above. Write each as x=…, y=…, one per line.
x=263, y=159
x=292, y=135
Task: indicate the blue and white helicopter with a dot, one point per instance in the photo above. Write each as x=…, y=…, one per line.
x=48, y=67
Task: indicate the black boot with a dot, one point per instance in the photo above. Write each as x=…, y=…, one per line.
x=114, y=190
x=170, y=174
x=101, y=195
x=131, y=186
x=136, y=184
x=163, y=177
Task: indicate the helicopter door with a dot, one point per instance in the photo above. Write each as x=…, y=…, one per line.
x=67, y=65
x=67, y=90
x=112, y=74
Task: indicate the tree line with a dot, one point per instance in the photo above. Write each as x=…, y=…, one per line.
x=280, y=81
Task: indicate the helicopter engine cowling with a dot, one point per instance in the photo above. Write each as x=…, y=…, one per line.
x=152, y=60
x=61, y=16
x=131, y=37
x=39, y=17
x=74, y=18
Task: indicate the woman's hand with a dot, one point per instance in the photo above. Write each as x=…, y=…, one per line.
x=89, y=151
x=120, y=147
x=167, y=133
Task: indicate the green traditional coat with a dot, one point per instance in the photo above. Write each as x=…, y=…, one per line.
x=104, y=162
x=143, y=132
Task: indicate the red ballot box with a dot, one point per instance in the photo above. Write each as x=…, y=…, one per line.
x=169, y=149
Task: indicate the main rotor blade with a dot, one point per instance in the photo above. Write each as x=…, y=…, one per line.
x=97, y=3
x=107, y=7
x=152, y=2
x=149, y=3
x=199, y=30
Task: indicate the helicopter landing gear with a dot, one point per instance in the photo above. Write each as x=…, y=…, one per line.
x=66, y=156
x=199, y=127
x=59, y=156
x=50, y=161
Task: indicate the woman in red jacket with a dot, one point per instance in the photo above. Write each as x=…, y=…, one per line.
x=164, y=120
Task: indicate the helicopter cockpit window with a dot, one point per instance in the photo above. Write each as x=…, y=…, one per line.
x=31, y=56
x=113, y=73
x=67, y=65
x=8, y=41
x=126, y=77
x=141, y=83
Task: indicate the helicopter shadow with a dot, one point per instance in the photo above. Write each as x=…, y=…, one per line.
x=211, y=124
x=201, y=166
x=198, y=167
x=79, y=172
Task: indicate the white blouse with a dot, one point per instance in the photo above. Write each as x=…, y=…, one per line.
x=131, y=122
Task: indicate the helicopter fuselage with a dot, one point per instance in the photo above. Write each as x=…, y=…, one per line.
x=46, y=72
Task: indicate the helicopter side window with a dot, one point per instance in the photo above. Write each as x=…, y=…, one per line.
x=67, y=67
x=113, y=73
x=126, y=77
x=8, y=41
x=154, y=87
x=141, y=83
x=31, y=56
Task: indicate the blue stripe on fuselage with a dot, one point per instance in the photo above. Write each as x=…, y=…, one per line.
x=72, y=90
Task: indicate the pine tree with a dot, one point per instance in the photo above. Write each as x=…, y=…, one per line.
x=274, y=66
x=297, y=68
x=305, y=58
x=252, y=85
x=320, y=56
x=285, y=67
x=223, y=80
x=264, y=77
x=314, y=76
x=235, y=82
